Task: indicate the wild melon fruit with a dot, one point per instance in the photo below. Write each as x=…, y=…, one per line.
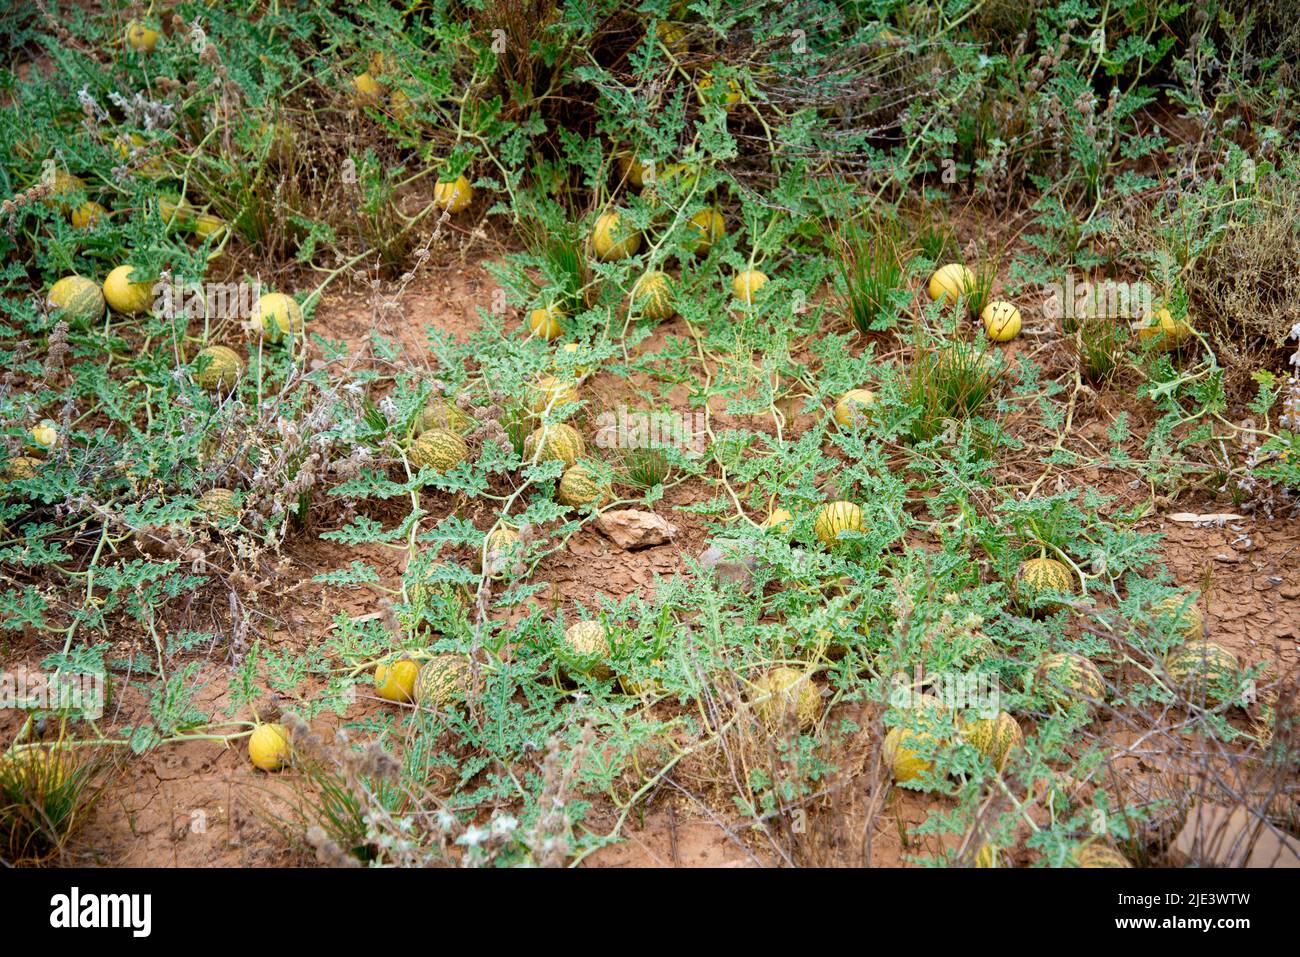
x=366, y=90
x=994, y=738
x=1099, y=855
x=1165, y=331
x=142, y=38
x=554, y=441
x=438, y=413
x=501, y=546
x=1001, y=321
x=205, y=226
x=836, y=517
x=904, y=750
x=633, y=171
x=453, y=195
x=1065, y=677
x=951, y=282
x=219, y=368
x=276, y=317
x=268, y=747
x=708, y=227
x=580, y=486
x=854, y=407
x=1204, y=670
x=22, y=467
x=396, y=682
x=1038, y=578
x=44, y=437
x=577, y=349
x=219, y=505
x=80, y=299
x=786, y=692
x=439, y=449
x=612, y=239
x=1182, y=615
x=550, y=393
x=653, y=296
x=87, y=214
x=584, y=650
x=744, y=285
x=546, y=323
x=728, y=99
x=780, y=519
x=443, y=680
x=126, y=294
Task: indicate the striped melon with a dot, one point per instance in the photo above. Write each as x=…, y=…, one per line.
x=1065, y=677
x=584, y=650
x=453, y=195
x=554, y=442
x=854, y=407
x=580, y=486
x=438, y=413
x=1036, y=579
x=785, y=692
x=125, y=294
x=653, y=296
x=836, y=517
x=708, y=227
x=277, y=316
x=987, y=856
x=424, y=590
x=442, y=680
x=439, y=449
x=549, y=393
x=80, y=300
x=903, y=751
x=546, y=323
x=951, y=282
x=994, y=738
x=1099, y=855
x=745, y=285
x=612, y=239
x=219, y=505
x=219, y=368
x=1204, y=670
x=501, y=547
x=1181, y=615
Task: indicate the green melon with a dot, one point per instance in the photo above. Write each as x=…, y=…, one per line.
x=1066, y=677
x=441, y=414
x=1181, y=615
x=995, y=738
x=219, y=368
x=1099, y=855
x=443, y=680
x=652, y=296
x=555, y=441
x=219, y=505
x=580, y=486
x=1205, y=671
x=1038, y=578
x=80, y=299
x=439, y=449
x=584, y=650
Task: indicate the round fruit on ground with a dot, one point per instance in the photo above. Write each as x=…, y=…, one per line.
x=1204, y=670
x=87, y=214
x=780, y=519
x=744, y=285
x=729, y=99
x=546, y=323
x=1001, y=321
x=994, y=738
x=951, y=282
x=173, y=212
x=580, y=486
x=585, y=650
x=366, y=90
x=206, y=225
x=854, y=407
x=439, y=449
x=501, y=546
x=1066, y=676
x=218, y=504
x=633, y=170
x=836, y=517
x=612, y=239
x=396, y=682
x=80, y=299
x=141, y=38
x=37, y=769
x=709, y=227
x=1182, y=615
x=219, y=368
x=438, y=413
x=577, y=349
x=653, y=296
x=43, y=437
x=1039, y=577
x=277, y=316
x=784, y=691
x=268, y=747
x=554, y=441
x=1165, y=331
x=904, y=752
x=550, y=393
x=453, y=195
x=443, y=680
x=22, y=467
x=126, y=296
x=1099, y=855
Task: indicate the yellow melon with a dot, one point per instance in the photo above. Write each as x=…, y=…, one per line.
x=854, y=407
x=584, y=650
x=276, y=317
x=1099, y=855
x=546, y=323
x=708, y=227
x=87, y=214
x=396, y=682
x=744, y=285
x=951, y=282
x=1001, y=321
x=653, y=296
x=453, y=195
x=1065, y=677
x=836, y=517
x=219, y=368
x=554, y=441
x=904, y=752
x=786, y=692
x=268, y=747
x=994, y=738
x=125, y=294
x=550, y=393
x=142, y=38
x=612, y=239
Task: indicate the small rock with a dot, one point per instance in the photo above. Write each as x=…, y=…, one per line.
x=631, y=528
x=729, y=559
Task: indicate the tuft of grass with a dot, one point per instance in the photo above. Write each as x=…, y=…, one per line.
x=949, y=385
x=46, y=792
x=871, y=269
x=1099, y=345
